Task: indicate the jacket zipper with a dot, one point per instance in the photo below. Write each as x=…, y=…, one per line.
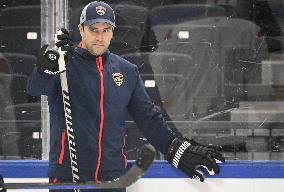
x=99, y=63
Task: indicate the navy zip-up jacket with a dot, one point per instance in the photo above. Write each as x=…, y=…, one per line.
x=100, y=97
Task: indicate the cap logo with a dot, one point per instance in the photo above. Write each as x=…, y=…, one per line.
x=100, y=10
x=118, y=78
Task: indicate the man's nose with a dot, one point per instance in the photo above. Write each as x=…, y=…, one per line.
x=99, y=36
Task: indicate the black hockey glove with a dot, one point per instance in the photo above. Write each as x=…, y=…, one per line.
x=65, y=43
x=189, y=157
x=47, y=60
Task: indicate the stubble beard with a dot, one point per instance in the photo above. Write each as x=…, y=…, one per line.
x=96, y=52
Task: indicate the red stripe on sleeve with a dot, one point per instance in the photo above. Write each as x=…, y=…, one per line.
x=61, y=155
x=122, y=151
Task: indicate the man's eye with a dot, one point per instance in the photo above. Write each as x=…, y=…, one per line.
x=97, y=31
x=92, y=30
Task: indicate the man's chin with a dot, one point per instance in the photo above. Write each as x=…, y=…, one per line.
x=97, y=53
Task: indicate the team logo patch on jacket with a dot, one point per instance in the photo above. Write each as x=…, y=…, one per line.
x=118, y=78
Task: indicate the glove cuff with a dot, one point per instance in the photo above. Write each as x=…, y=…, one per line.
x=176, y=150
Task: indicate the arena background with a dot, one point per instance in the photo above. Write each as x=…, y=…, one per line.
x=214, y=67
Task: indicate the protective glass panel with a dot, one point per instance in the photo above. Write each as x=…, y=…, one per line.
x=20, y=113
x=213, y=67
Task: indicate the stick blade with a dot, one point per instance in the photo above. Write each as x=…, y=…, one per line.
x=141, y=165
x=146, y=157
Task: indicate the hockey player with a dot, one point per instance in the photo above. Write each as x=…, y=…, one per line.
x=103, y=87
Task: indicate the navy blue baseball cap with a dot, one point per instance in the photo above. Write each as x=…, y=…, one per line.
x=97, y=12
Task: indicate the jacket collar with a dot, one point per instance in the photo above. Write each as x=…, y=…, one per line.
x=86, y=54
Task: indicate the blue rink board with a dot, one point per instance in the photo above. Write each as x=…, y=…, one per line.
x=159, y=169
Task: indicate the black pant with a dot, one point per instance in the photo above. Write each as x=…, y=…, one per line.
x=55, y=180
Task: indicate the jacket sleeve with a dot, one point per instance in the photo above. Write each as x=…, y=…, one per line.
x=149, y=118
x=42, y=84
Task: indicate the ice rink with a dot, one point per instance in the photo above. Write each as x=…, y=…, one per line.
x=235, y=176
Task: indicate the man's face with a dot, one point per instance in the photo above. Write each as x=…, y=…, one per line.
x=96, y=38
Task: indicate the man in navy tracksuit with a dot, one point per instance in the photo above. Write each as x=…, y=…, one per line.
x=102, y=88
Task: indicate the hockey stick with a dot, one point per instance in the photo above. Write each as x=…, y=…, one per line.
x=142, y=163
x=68, y=115
x=66, y=103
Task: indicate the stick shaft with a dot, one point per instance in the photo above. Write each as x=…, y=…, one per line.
x=68, y=118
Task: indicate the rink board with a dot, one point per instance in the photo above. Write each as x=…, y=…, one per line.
x=235, y=176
